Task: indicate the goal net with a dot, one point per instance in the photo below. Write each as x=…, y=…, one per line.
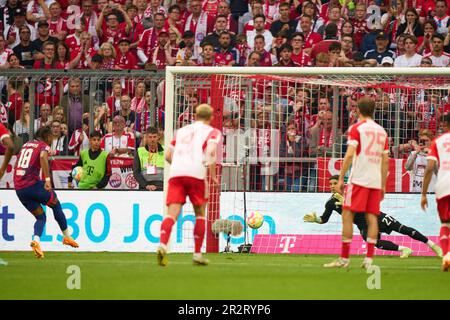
x=285, y=133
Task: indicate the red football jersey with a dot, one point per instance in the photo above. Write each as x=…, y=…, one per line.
x=57, y=26
x=3, y=132
x=15, y=103
x=302, y=59
x=72, y=41
x=224, y=58
x=83, y=63
x=28, y=164
x=127, y=61
x=113, y=36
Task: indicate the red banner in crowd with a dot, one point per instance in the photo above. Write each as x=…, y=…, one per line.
x=398, y=178
x=122, y=174
x=121, y=178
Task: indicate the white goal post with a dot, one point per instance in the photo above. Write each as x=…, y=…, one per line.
x=217, y=83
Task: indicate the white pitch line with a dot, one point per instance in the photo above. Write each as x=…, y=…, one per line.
x=253, y=263
x=355, y=266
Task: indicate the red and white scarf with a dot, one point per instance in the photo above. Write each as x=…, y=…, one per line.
x=151, y=40
x=149, y=11
x=324, y=140
x=144, y=122
x=263, y=142
x=4, y=56
x=302, y=121
x=139, y=17
x=5, y=11
x=59, y=23
x=155, y=56
x=90, y=23
x=36, y=7
x=307, y=36
x=200, y=27
x=271, y=11
x=391, y=28
x=138, y=104
x=3, y=113
x=229, y=22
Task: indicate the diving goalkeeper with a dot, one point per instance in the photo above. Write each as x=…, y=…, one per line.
x=386, y=224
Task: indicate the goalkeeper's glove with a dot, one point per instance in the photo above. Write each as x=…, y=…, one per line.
x=339, y=197
x=311, y=217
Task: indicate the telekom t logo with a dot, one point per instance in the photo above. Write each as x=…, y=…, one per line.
x=289, y=242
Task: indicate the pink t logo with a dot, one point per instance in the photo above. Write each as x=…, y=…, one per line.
x=289, y=242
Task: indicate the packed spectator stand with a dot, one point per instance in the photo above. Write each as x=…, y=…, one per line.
x=147, y=36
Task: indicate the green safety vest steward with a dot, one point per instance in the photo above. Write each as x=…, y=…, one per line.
x=157, y=160
x=93, y=170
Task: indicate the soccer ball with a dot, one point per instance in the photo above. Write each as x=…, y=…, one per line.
x=255, y=220
x=77, y=172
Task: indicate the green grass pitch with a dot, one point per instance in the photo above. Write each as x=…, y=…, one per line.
x=229, y=276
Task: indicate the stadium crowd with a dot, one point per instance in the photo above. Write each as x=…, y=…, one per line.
x=124, y=34
x=153, y=34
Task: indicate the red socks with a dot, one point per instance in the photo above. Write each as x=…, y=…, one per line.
x=370, y=250
x=345, y=253
x=166, y=229
x=444, y=239
x=199, y=233
x=370, y=247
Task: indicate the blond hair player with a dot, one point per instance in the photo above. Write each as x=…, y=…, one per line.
x=192, y=151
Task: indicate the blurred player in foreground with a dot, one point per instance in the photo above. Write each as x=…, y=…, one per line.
x=33, y=192
x=440, y=154
x=7, y=142
x=193, y=148
x=367, y=151
x=386, y=224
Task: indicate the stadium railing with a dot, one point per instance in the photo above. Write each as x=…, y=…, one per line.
x=257, y=109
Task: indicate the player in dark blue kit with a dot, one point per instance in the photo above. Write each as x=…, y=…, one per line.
x=386, y=224
x=33, y=192
x=7, y=142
